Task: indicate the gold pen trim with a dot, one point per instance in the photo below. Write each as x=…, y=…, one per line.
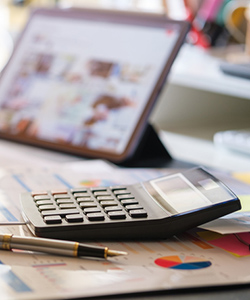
x=106, y=250
x=6, y=242
x=75, y=249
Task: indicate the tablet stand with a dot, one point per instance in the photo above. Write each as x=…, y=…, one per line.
x=152, y=153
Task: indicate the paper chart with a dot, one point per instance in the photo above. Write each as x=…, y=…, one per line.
x=198, y=260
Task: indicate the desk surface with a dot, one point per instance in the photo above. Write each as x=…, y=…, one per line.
x=198, y=151
x=204, y=152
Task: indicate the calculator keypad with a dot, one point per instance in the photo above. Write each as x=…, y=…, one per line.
x=90, y=204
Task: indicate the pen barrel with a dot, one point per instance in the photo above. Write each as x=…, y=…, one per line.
x=44, y=245
x=92, y=251
x=57, y=247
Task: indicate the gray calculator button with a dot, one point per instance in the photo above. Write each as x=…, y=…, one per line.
x=41, y=197
x=101, y=193
x=64, y=201
x=116, y=215
x=128, y=202
x=46, y=207
x=122, y=197
x=61, y=196
x=133, y=206
x=67, y=206
x=100, y=198
x=118, y=187
x=95, y=217
x=77, y=195
x=52, y=219
x=138, y=213
x=98, y=189
x=91, y=210
x=74, y=218
x=107, y=203
x=62, y=212
x=83, y=199
x=44, y=202
x=112, y=208
x=87, y=204
x=121, y=192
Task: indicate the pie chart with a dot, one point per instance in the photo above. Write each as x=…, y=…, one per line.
x=182, y=262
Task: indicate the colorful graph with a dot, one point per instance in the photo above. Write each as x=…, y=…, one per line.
x=182, y=262
x=228, y=242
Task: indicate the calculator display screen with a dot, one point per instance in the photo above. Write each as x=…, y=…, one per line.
x=177, y=194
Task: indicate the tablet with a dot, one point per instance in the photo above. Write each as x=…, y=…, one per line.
x=85, y=81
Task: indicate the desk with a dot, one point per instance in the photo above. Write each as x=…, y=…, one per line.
x=204, y=153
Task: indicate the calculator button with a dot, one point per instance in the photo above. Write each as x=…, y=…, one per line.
x=39, y=197
x=38, y=193
x=118, y=187
x=121, y=192
x=44, y=202
x=74, y=218
x=59, y=192
x=62, y=212
x=83, y=199
x=91, y=210
x=129, y=202
x=116, y=215
x=53, y=219
x=46, y=207
x=99, y=198
x=112, y=208
x=133, y=206
x=107, y=203
x=77, y=195
x=98, y=189
x=67, y=206
x=61, y=196
x=138, y=213
x=95, y=216
x=102, y=193
x=87, y=204
x=64, y=201
x=121, y=197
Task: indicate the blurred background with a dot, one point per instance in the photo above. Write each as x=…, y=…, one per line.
x=215, y=23
x=201, y=98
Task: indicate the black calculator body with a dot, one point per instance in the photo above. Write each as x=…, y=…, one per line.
x=156, y=209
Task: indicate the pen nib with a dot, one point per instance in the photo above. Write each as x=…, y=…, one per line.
x=115, y=253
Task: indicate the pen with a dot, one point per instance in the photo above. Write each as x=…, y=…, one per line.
x=58, y=247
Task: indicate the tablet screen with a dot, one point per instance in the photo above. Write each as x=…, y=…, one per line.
x=86, y=82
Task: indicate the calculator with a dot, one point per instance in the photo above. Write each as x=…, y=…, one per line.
x=155, y=209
